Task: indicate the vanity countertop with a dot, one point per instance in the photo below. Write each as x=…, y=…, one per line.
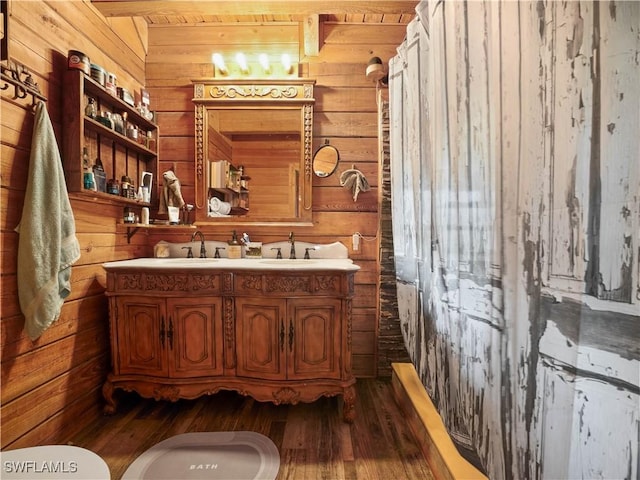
x=270, y=264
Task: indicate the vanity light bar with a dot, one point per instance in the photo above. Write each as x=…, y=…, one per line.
x=241, y=61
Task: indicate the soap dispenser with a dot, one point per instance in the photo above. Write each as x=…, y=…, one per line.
x=234, y=250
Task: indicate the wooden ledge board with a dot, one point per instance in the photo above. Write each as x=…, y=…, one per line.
x=427, y=426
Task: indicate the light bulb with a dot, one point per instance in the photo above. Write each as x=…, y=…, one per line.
x=242, y=62
x=286, y=63
x=218, y=61
x=264, y=61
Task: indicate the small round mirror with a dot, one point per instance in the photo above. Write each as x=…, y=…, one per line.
x=325, y=160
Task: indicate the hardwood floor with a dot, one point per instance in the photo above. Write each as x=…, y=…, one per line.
x=313, y=440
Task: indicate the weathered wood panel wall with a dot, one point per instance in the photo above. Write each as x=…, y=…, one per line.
x=516, y=196
x=345, y=114
x=53, y=385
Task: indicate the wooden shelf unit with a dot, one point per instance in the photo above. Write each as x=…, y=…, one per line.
x=119, y=154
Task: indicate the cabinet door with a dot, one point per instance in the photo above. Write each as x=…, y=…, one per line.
x=314, y=343
x=194, y=337
x=261, y=338
x=140, y=325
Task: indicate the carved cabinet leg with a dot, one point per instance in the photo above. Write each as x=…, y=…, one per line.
x=349, y=404
x=107, y=393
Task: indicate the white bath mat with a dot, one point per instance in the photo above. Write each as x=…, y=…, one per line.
x=208, y=455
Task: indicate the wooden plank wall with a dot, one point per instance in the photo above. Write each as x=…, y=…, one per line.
x=345, y=114
x=54, y=384
x=51, y=387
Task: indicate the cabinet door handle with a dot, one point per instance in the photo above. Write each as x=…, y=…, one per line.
x=290, y=335
x=281, y=336
x=170, y=333
x=162, y=331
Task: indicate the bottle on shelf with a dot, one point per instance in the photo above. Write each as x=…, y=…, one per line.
x=99, y=176
x=125, y=184
x=88, y=178
x=91, y=110
x=113, y=187
x=129, y=216
x=132, y=132
x=151, y=142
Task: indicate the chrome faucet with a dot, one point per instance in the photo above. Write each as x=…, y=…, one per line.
x=203, y=251
x=292, y=240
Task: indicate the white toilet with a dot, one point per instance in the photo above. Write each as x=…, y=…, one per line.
x=52, y=462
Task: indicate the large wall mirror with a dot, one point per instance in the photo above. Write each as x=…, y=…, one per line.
x=253, y=144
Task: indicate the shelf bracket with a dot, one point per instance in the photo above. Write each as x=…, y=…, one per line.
x=131, y=231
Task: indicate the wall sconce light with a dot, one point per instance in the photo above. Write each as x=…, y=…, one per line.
x=241, y=60
x=286, y=63
x=375, y=69
x=218, y=62
x=264, y=62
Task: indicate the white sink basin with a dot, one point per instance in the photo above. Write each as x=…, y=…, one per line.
x=182, y=264
x=284, y=262
x=169, y=261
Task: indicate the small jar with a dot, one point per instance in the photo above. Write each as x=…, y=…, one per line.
x=109, y=122
x=129, y=216
x=132, y=132
x=125, y=184
x=89, y=180
x=111, y=83
x=113, y=187
x=91, y=110
x=151, y=142
x=144, y=215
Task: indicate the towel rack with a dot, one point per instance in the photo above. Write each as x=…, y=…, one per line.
x=12, y=73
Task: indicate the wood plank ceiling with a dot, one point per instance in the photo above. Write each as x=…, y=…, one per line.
x=163, y=12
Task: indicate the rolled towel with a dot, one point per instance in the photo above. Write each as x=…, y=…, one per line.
x=218, y=208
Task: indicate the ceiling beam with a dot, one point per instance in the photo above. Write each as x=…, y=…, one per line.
x=311, y=36
x=142, y=8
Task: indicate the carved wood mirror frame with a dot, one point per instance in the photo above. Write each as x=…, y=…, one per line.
x=210, y=94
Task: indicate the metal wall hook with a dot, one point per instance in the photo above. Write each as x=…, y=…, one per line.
x=11, y=74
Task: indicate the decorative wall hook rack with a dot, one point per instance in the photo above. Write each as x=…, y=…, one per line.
x=23, y=84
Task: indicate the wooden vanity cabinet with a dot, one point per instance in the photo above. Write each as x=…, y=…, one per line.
x=176, y=337
x=296, y=339
x=140, y=348
x=281, y=336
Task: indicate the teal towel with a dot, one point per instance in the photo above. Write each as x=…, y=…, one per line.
x=48, y=245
